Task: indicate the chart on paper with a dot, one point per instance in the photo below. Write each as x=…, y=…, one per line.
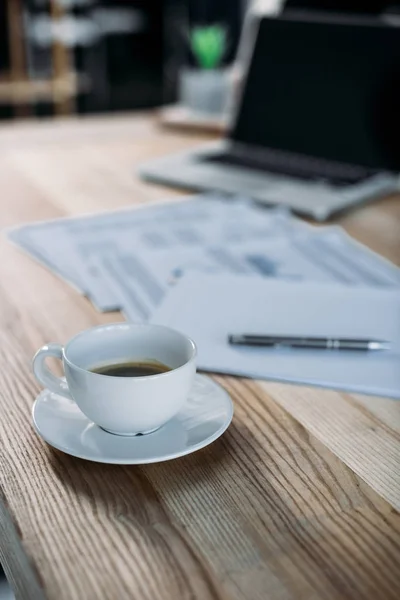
x=128, y=259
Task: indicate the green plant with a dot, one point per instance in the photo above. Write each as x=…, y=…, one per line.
x=208, y=45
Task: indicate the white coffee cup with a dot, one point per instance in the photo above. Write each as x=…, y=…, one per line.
x=122, y=405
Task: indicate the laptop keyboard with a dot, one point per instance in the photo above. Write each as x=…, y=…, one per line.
x=306, y=169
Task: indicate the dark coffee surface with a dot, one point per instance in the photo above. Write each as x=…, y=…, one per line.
x=131, y=369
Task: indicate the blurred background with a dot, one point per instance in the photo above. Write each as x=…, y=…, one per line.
x=60, y=57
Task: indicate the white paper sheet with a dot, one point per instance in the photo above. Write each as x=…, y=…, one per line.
x=209, y=308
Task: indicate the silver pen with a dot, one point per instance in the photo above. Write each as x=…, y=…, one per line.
x=315, y=343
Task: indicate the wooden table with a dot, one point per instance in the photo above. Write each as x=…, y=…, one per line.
x=298, y=500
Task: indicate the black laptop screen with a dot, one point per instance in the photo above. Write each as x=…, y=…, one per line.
x=324, y=89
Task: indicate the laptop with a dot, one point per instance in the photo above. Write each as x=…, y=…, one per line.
x=317, y=126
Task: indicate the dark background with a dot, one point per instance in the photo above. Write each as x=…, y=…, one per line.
x=139, y=69
x=127, y=70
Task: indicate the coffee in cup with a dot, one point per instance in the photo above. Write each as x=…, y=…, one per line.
x=129, y=379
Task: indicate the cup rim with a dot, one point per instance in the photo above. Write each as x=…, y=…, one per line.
x=128, y=326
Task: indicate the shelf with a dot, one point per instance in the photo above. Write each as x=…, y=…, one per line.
x=26, y=91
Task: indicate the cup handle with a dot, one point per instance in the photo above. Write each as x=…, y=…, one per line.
x=44, y=375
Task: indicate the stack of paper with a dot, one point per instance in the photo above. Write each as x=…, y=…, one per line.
x=130, y=259
x=127, y=259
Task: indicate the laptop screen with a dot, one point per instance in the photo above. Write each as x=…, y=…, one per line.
x=324, y=89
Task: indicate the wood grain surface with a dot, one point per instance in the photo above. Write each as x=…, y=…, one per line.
x=298, y=500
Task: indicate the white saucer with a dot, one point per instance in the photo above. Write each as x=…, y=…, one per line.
x=205, y=416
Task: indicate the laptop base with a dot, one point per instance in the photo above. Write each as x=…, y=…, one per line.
x=312, y=198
